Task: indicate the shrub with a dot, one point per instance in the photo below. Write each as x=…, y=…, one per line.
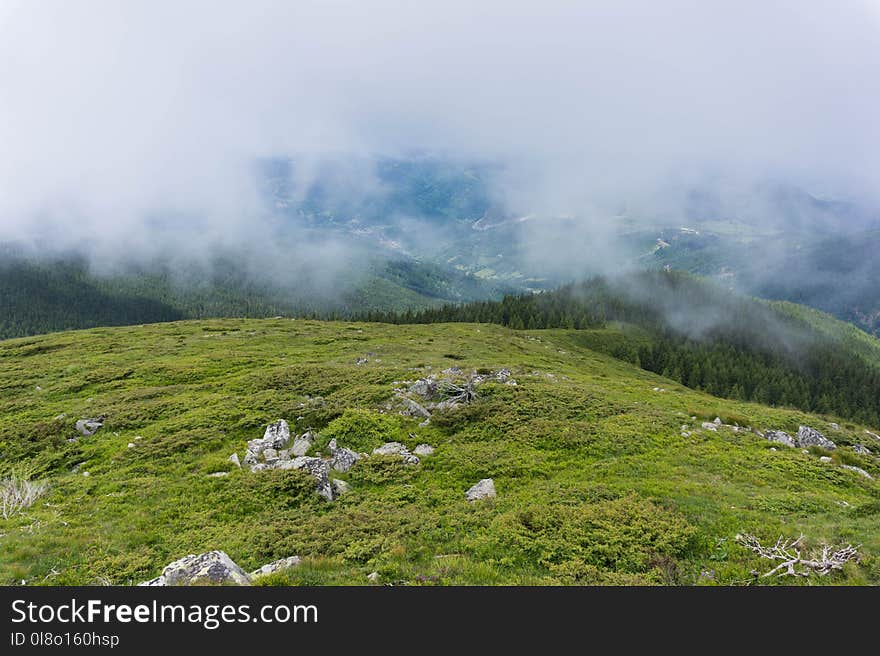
x=361, y=430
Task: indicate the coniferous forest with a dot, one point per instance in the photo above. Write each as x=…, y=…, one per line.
x=692, y=331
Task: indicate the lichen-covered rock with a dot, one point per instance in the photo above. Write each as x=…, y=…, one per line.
x=276, y=437
x=424, y=450
x=302, y=444
x=857, y=470
x=861, y=449
x=781, y=437
x=318, y=468
x=88, y=427
x=396, y=449
x=342, y=459
x=213, y=567
x=276, y=566
x=413, y=409
x=807, y=437
x=484, y=489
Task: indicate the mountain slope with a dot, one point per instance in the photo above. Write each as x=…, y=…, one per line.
x=596, y=481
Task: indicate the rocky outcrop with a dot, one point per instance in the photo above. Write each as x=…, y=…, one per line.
x=807, y=437
x=214, y=568
x=276, y=437
x=484, y=489
x=396, y=449
x=302, y=444
x=88, y=427
x=276, y=566
x=780, y=437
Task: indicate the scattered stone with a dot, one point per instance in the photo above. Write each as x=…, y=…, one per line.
x=857, y=470
x=773, y=448
x=131, y=445
x=88, y=427
x=85, y=473
x=340, y=487
x=302, y=444
x=77, y=467
x=63, y=415
x=219, y=474
x=361, y=361
x=373, y=577
x=834, y=426
x=138, y=438
x=277, y=436
x=717, y=421
x=276, y=566
x=861, y=449
x=396, y=449
x=424, y=423
x=425, y=387
x=874, y=435
x=484, y=489
x=780, y=437
x=214, y=567
x=807, y=437
x=708, y=425
x=424, y=450
x=824, y=459
x=234, y=460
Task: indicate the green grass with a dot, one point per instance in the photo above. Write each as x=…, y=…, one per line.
x=595, y=483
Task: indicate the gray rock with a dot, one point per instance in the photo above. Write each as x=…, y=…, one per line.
x=234, y=460
x=88, y=427
x=259, y=467
x=861, y=449
x=425, y=387
x=302, y=444
x=708, y=425
x=340, y=487
x=276, y=566
x=342, y=459
x=424, y=450
x=824, y=459
x=220, y=474
x=717, y=421
x=834, y=426
x=214, y=567
x=317, y=468
x=857, y=470
x=396, y=449
x=484, y=489
x=373, y=577
x=277, y=434
x=413, y=409
x=807, y=437
x=780, y=437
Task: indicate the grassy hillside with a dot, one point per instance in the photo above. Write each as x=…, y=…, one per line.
x=596, y=481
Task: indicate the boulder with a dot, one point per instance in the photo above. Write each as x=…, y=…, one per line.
x=276, y=566
x=780, y=437
x=424, y=450
x=717, y=421
x=425, y=387
x=708, y=425
x=861, y=449
x=342, y=459
x=234, y=460
x=396, y=449
x=857, y=470
x=317, y=468
x=277, y=434
x=88, y=427
x=807, y=437
x=484, y=489
x=414, y=409
x=340, y=487
x=302, y=444
x=213, y=567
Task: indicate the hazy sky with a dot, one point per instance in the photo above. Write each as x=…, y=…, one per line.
x=113, y=114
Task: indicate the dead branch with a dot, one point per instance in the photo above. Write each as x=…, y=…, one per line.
x=790, y=556
x=459, y=393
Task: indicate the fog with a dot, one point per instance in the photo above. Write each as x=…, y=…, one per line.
x=131, y=130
